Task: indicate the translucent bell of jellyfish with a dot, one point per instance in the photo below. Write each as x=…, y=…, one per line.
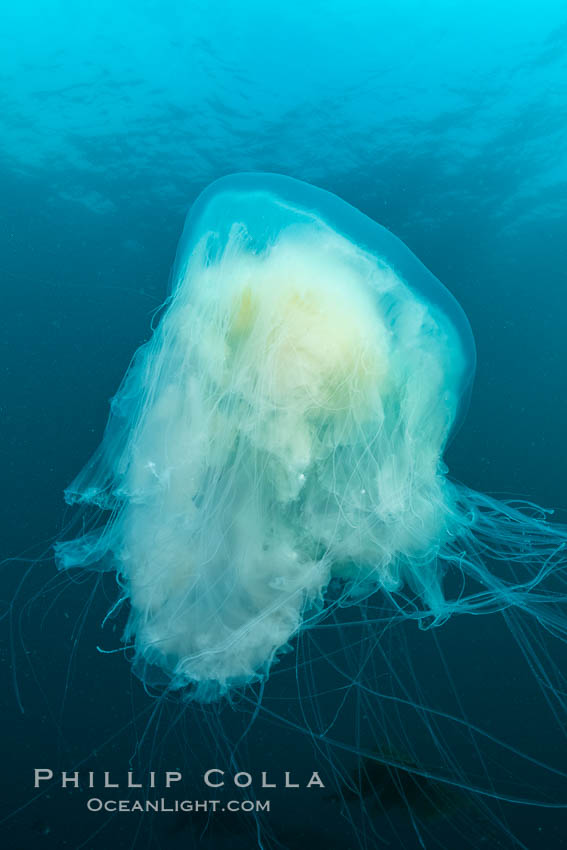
x=282, y=433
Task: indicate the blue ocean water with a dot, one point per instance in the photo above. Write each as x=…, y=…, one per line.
x=446, y=124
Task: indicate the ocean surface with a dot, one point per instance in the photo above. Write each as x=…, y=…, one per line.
x=444, y=122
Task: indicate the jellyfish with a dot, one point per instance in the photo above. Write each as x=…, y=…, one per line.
x=275, y=451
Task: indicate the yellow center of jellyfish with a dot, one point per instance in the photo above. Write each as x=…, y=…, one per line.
x=309, y=346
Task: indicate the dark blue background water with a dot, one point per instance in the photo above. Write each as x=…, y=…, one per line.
x=444, y=123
